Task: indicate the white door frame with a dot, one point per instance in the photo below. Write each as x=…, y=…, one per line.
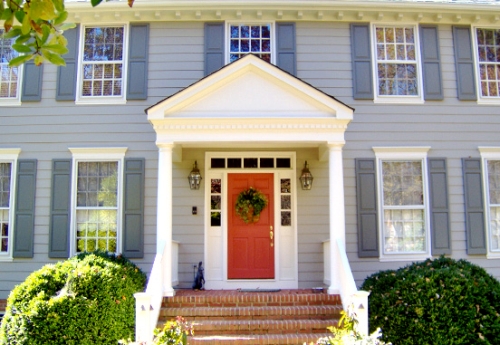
x=216, y=244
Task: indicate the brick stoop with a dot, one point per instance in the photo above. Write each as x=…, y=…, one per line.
x=247, y=318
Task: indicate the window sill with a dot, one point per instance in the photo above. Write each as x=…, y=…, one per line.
x=493, y=255
x=9, y=102
x=399, y=100
x=488, y=101
x=101, y=101
x=6, y=259
x=404, y=257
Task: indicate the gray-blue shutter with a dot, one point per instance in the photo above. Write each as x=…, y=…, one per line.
x=439, y=207
x=214, y=47
x=361, y=61
x=366, y=204
x=66, y=75
x=464, y=63
x=133, y=208
x=137, y=83
x=286, y=47
x=25, y=208
x=474, y=207
x=431, y=62
x=32, y=82
x=60, y=209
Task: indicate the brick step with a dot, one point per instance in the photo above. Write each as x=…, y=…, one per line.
x=242, y=299
x=253, y=313
x=254, y=327
x=266, y=339
x=244, y=318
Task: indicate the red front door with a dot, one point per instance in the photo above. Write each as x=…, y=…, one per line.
x=251, y=246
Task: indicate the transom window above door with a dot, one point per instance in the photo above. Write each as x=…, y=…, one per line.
x=250, y=163
x=250, y=39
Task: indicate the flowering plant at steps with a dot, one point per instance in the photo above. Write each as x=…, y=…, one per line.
x=250, y=204
x=346, y=333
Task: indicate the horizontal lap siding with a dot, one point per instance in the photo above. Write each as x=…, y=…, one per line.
x=44, y=131
x=452, y=128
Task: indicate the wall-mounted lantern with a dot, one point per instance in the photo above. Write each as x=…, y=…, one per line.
x=306, y=178
x=194, y=177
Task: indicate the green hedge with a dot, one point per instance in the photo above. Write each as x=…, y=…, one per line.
x=440, y=301
x=87, y=299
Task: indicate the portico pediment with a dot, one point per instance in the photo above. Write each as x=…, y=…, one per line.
x=250, y=100
x=247, y=88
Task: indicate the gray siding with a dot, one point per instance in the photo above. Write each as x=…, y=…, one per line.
x=44, y=130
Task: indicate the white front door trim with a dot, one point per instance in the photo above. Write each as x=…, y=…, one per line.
x=216, y=252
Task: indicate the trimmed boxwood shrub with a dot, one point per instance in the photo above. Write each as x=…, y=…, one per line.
x=440, y=301
x=87, y=299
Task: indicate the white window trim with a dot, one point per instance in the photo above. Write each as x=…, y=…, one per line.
x=10, y=156
x=227, y=38
x=102, y=99
x=13, y=101
x=406, y=153
x=488, y=153
x=419, y=99
x=480, y=99
x=97, y=154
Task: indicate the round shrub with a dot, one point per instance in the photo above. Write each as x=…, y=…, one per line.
x=440, y=301
x=87, y=299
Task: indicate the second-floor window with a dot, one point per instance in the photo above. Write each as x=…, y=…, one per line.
x=102, y=73
x=9, y=76
x=488, y=56
x=396, y=62
x=250, y=39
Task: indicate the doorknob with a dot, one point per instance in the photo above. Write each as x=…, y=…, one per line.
x=271, y=234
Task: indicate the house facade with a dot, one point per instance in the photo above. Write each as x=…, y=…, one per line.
x=393, y=106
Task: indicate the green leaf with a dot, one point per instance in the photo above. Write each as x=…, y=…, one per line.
x=59, y=5
x=56, y=48
x=95, y=2
x=17, y=61
x=39, y=60
x=21, y=48
x=19, y=15
x=45, y=33
x=12, y=33
x=61, y=18
x=26, y=27
x=53, y=58
x=42, y=9
x=23, y=38
x=66, y=26
x=6, y=14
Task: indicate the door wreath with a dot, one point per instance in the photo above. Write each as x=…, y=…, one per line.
x=249, y=205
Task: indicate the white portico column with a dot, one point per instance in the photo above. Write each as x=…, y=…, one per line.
x=337, y=212
x=164, y=214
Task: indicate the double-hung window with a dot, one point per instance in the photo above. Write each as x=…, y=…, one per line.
x=397, y=69
x=488, y=60
x=10, y=76
x=491, y=178
x=102, y=64
x=8, y=158
x=250, y=39
x=97, y=199
x=404, y=203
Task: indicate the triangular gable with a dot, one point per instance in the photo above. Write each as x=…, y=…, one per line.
x=250, y=88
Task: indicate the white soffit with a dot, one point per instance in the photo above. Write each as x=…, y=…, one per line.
x=250, y=88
